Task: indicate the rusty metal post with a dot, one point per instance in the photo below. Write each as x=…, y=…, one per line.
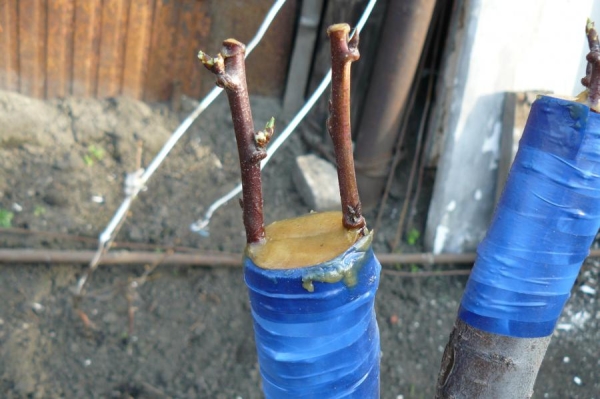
x=404, y=32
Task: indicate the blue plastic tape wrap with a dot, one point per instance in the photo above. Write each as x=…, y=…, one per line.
x=544, y=224
x=318, y=339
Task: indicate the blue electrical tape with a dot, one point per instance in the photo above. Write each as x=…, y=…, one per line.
x=544, y=224
x=315, y=327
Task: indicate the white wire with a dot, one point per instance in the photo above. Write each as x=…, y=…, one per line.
x=201, y=226
x=264, y=26
x=137, y=181
x=365, y=16
x=108, y=232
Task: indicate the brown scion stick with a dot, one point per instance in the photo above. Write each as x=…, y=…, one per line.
x=230, y=69
x=343, y=53
x=592, y=76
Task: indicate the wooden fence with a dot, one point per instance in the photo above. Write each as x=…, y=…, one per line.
x=145, y=49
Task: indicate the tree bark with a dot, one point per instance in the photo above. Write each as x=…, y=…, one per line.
x=480, y=365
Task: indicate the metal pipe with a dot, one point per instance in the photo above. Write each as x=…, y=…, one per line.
x=209, y=259
x=404, y=32
x=113, y=258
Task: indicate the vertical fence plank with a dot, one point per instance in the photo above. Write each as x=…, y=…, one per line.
x=112, y=47
x=59, y=55
x=139, y=29
x=85, y=50
x=159, y=79
x=9, y=46
x=32, y=47
x=266, y=69
x=193, y=31
x=139, y=48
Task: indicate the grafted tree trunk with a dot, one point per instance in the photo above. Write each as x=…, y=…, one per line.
x=478, y=364
x=545, y=222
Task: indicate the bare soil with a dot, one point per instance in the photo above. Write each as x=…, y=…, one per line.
x=62, y=167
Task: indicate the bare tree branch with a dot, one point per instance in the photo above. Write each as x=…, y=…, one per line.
x=343, y=53
x=230, y=70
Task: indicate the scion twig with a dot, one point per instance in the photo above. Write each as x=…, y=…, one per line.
x=141, y=176
x=343, y=53
x=592, y=76
x=201, y=225
x=230, y=70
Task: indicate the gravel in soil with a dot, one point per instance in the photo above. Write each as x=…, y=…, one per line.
x=186, y=332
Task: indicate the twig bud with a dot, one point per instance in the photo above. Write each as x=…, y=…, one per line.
x=263, y=137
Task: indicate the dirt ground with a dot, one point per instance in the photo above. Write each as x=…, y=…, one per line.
x=62, y=166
